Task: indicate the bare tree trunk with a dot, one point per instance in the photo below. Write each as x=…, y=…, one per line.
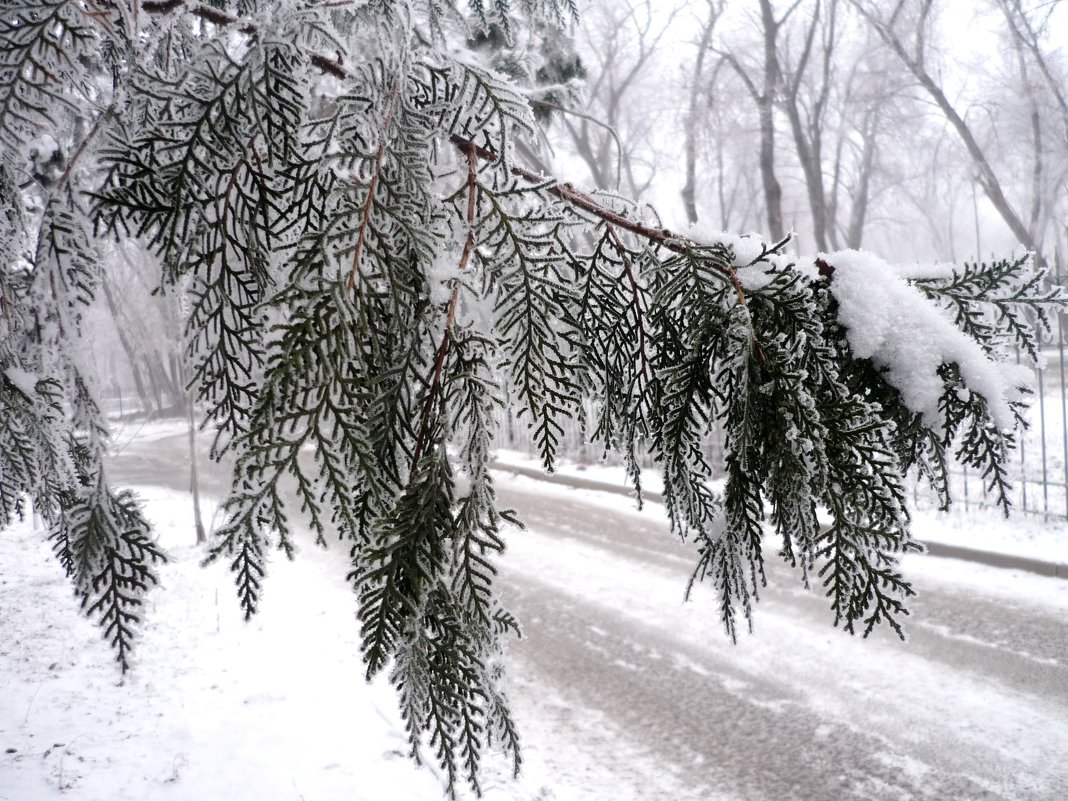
x=689, y=189
x=153, y=381
x=764, y=97
x=808, y=138
x=127, y=346
x=811, y=159
x=987, y=178
x=725, y=208
x=194, y=475
x=772, y=189
x=859, y=212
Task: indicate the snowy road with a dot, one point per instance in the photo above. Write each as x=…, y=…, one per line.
x=974, y=706
x=624, y=692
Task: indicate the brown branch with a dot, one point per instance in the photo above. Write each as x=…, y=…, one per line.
x=446, y=338
x=635, y=294
x=372, y=188
x=205, y=12
x=578, y=198
x=472, y=194
x=582, y=200
x=161, y=6
x=431, y=398
x=365, y=220
x=326, y=65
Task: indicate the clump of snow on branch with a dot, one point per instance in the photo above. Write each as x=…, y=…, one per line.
x=890, y=322
x=746, y=248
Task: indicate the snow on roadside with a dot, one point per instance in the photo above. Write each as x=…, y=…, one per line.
x=215, y=708
x=981, y=529
x=613, y=474
x=125, y=431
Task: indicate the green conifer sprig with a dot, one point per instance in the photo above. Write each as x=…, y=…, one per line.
x=406, y=557
x=699, y=332
x=211, y=191
x=616, y=345
x=520, y=257
x=372, y=276
x=999, y=304
x=979, y=443
x=42, y=49
x=113, y=555
x=33, y=457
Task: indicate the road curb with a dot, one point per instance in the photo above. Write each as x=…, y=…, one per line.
x=937, y=549
x=575, y=482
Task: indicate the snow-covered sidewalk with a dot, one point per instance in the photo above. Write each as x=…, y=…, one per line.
x=1020, y=535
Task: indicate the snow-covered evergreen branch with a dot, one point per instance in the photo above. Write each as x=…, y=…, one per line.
x=371, y=273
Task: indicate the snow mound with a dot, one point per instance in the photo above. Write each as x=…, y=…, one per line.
x=890, y=322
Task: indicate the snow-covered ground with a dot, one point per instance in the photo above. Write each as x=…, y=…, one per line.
x=277, y=708
x=215, y=708
x=982, y=529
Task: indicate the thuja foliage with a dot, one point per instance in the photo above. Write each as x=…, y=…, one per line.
x=370, y=275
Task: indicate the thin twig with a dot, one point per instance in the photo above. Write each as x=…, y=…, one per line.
x=372, y=188
x=26, y=719
x=635, y=296
x=450, y=318
x=82, y=146
x=589, y=118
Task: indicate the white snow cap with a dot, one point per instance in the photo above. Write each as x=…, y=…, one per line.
x=891, y=322
x=26, y=382
x=746, y=247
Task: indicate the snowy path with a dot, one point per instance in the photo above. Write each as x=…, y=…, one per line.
x=622, y=692
x=974, y=706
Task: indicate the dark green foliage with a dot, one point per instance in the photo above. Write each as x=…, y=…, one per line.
x=31, y=456
x=998, y=304
x=109, y=543
x=615, y=346
x=525, y=279
x=52, y=435
x=40, y=45
x=212, y=191
x=369, y=277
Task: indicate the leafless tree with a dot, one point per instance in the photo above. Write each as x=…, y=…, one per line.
x=702, y=95
x=906, y=29
x=1042, y=81
x=613, y=135
x=763, y=82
